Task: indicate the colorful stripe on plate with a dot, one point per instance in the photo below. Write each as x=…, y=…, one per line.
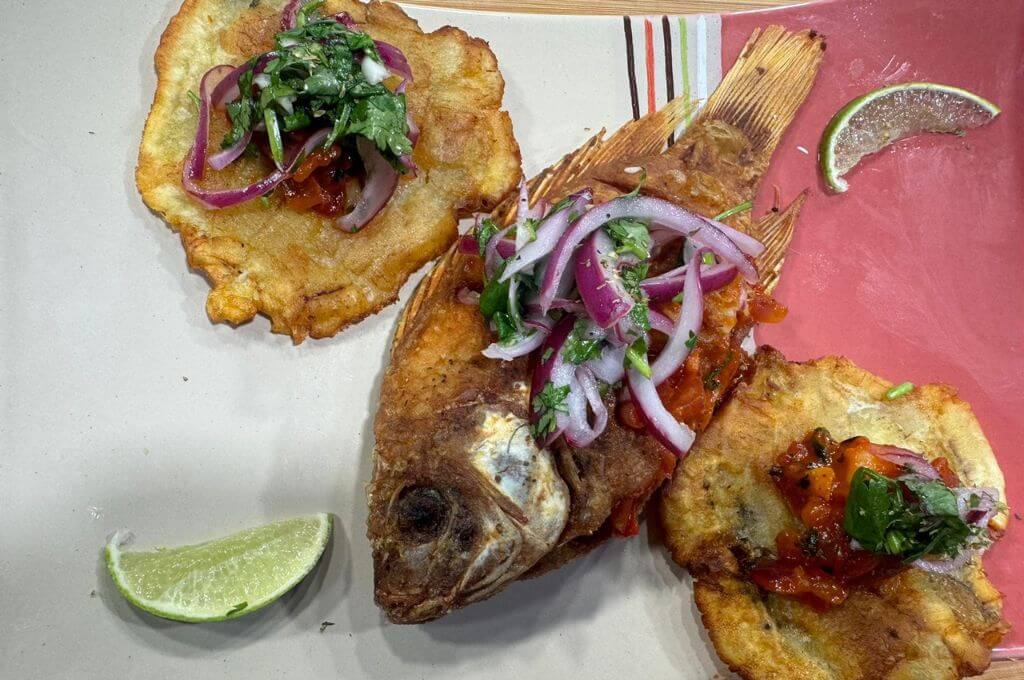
x=671, y=56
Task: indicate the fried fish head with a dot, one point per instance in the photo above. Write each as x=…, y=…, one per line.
x=722, y=512
x=453, y=524
x=296, y=267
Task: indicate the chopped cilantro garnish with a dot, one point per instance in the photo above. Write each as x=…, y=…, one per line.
x=636, y=356
x=547, y=355
x=711, y=381
x=630, y=236
x=578, y=347
x=733, y=210
x=632, y=276
x=313, y=80
x=707, y=258
x=691, y=341
x=558, y=207
x=484, y=232
x=194, y=97
x=907, y=517
x=548, y=403
x=494, y=298
x=529, y=226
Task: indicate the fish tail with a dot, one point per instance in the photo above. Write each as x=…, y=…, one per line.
x=763, y=90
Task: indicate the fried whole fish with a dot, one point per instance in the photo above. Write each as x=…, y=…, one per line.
x=462, y=500
x=297, y=267
x=722, y=512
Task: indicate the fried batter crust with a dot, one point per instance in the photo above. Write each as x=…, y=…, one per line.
x=307, y=276
x=721, y=514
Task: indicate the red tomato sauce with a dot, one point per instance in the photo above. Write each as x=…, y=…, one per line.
x=816, y=564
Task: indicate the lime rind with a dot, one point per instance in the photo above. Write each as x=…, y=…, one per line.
x=310, y=552
x=829, y=138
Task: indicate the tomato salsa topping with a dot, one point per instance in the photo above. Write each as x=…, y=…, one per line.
x=866, y=511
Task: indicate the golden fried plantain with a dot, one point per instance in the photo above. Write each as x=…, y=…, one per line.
x=722, y=512
x=307, y=276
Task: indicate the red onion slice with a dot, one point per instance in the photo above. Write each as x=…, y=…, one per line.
x=912, y=461
x=226, y=198
x=381, y=180
x=671, y=283
x=226, y=157
x=707, y=233
x=492, y=254
x=525, y=345
x=944, y=566
x=604, y=296
x=468, y=246
x=675, y=436
x=660, y=322
x=394, y=59
x=691, y=316
x=195, y=161
x=290, y=13
x=548, y=234
x=580, y=432
x=345, y=19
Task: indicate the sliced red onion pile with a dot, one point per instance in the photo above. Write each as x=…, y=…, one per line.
x=219, y=86
x=582, y=296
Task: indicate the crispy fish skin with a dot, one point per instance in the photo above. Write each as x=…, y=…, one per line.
x=307, y=276
x=721, y=513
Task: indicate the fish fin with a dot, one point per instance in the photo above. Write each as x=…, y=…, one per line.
x=775, y=231
x=764, y=88
x=641, y=137
x=425, y=290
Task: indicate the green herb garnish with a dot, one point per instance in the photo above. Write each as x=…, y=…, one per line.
x=636, y=356
x=711, y=381
x=630, y=236
x=485, y=231
x=899, y=390
x=691, y=341
x=548, y=403
x=707, y=258
x=908, y=518
x=313, y=79
x=632, y=276
x=578, y=347
x=742, y=207
x=194, y=97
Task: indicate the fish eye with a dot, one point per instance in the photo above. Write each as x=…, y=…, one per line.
x=421, y=512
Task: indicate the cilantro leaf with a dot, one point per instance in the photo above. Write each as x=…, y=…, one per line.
x=636, y=356
x=548, y=403
x=578, y=346
x=484, y=232
x=907, y=517
x=630, y=236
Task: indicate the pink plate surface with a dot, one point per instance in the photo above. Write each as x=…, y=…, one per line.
x=917, y=272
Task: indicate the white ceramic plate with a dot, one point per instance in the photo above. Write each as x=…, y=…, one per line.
x=121, y=405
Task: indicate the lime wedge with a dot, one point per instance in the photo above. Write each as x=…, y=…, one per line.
x=220, y=579
x=874, y=120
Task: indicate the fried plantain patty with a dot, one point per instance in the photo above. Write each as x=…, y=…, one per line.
x=297, y=268
x=722, y=512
